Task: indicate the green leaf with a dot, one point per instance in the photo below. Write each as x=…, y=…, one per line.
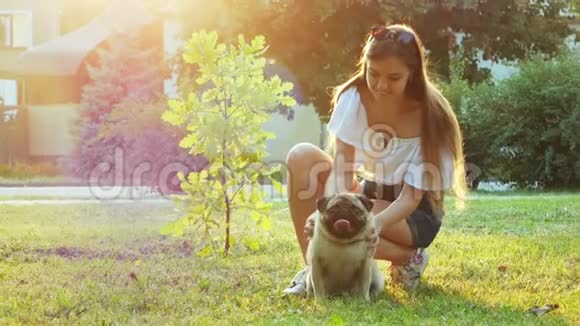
x=188, y=141
x=232, y=241
x=255, y=216
x=203, y=174
x=251, y=243
x=176, y=228
x=258, y=42
x=205, y=252
x=265, y=223
x=277, y=186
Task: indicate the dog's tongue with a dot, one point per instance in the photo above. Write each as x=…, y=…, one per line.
x=342, y=226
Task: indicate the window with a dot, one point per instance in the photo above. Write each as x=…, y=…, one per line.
x=15, y=30
x=9, y=91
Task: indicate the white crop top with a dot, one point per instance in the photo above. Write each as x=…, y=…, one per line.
x=401, y=161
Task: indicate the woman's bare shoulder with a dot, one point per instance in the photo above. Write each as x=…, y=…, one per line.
x=365, y=96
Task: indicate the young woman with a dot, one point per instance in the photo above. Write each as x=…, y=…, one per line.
x=393, y=131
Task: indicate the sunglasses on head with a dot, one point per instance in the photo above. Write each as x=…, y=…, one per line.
x=381, y=33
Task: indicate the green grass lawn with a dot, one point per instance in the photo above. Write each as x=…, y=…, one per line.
x=36, y=180
x=109, y=264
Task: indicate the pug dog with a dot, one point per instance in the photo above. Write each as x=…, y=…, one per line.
x=338, y=253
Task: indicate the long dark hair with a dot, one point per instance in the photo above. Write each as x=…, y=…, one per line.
x=439, y=128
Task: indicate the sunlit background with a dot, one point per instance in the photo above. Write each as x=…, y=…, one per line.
x=83, y=86
x=48, y=47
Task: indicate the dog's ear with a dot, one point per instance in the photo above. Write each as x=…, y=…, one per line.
x=367, y=203
x=321, y=203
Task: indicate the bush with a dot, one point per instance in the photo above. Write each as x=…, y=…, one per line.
x=457, y=91
x=529, y=125
x=120, y=114
x=149, y=145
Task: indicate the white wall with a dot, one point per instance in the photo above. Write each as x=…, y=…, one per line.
x=305, y=127
x=50, y=129
x=43, y=17
x=504, y=69
x=38, y=23
x=499, y=70
x=172, y=42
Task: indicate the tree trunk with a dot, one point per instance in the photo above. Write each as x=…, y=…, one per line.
x=228, y=215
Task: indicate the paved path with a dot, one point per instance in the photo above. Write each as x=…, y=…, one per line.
x=88, y=195
x=133, y=195
x=33, y=202
x=81, y=192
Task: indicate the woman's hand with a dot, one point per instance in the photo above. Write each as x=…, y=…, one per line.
x=373, y=238
x=309, y=227
x=356, y=187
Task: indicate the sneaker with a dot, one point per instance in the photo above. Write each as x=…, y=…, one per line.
x=298, y=284
x=409, y=275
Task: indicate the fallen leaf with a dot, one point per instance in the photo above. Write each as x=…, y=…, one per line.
x=539, y=311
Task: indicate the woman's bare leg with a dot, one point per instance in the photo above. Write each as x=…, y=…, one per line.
x=399, y=233
x=396, y=245
x=395, y=253
x=308, y=168
x=395, y=242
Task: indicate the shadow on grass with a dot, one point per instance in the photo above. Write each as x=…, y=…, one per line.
x=133, y=250
x=431, y=304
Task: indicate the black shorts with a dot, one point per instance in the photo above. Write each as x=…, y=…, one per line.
x=423, y=222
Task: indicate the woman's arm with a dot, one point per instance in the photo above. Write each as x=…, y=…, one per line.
x=403, y=206
x=343, y=166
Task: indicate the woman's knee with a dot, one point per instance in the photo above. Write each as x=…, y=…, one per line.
x=308, y=167
x=395, y=253
x=304, y=157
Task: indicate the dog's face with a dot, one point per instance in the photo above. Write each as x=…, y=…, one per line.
x=344, y=215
